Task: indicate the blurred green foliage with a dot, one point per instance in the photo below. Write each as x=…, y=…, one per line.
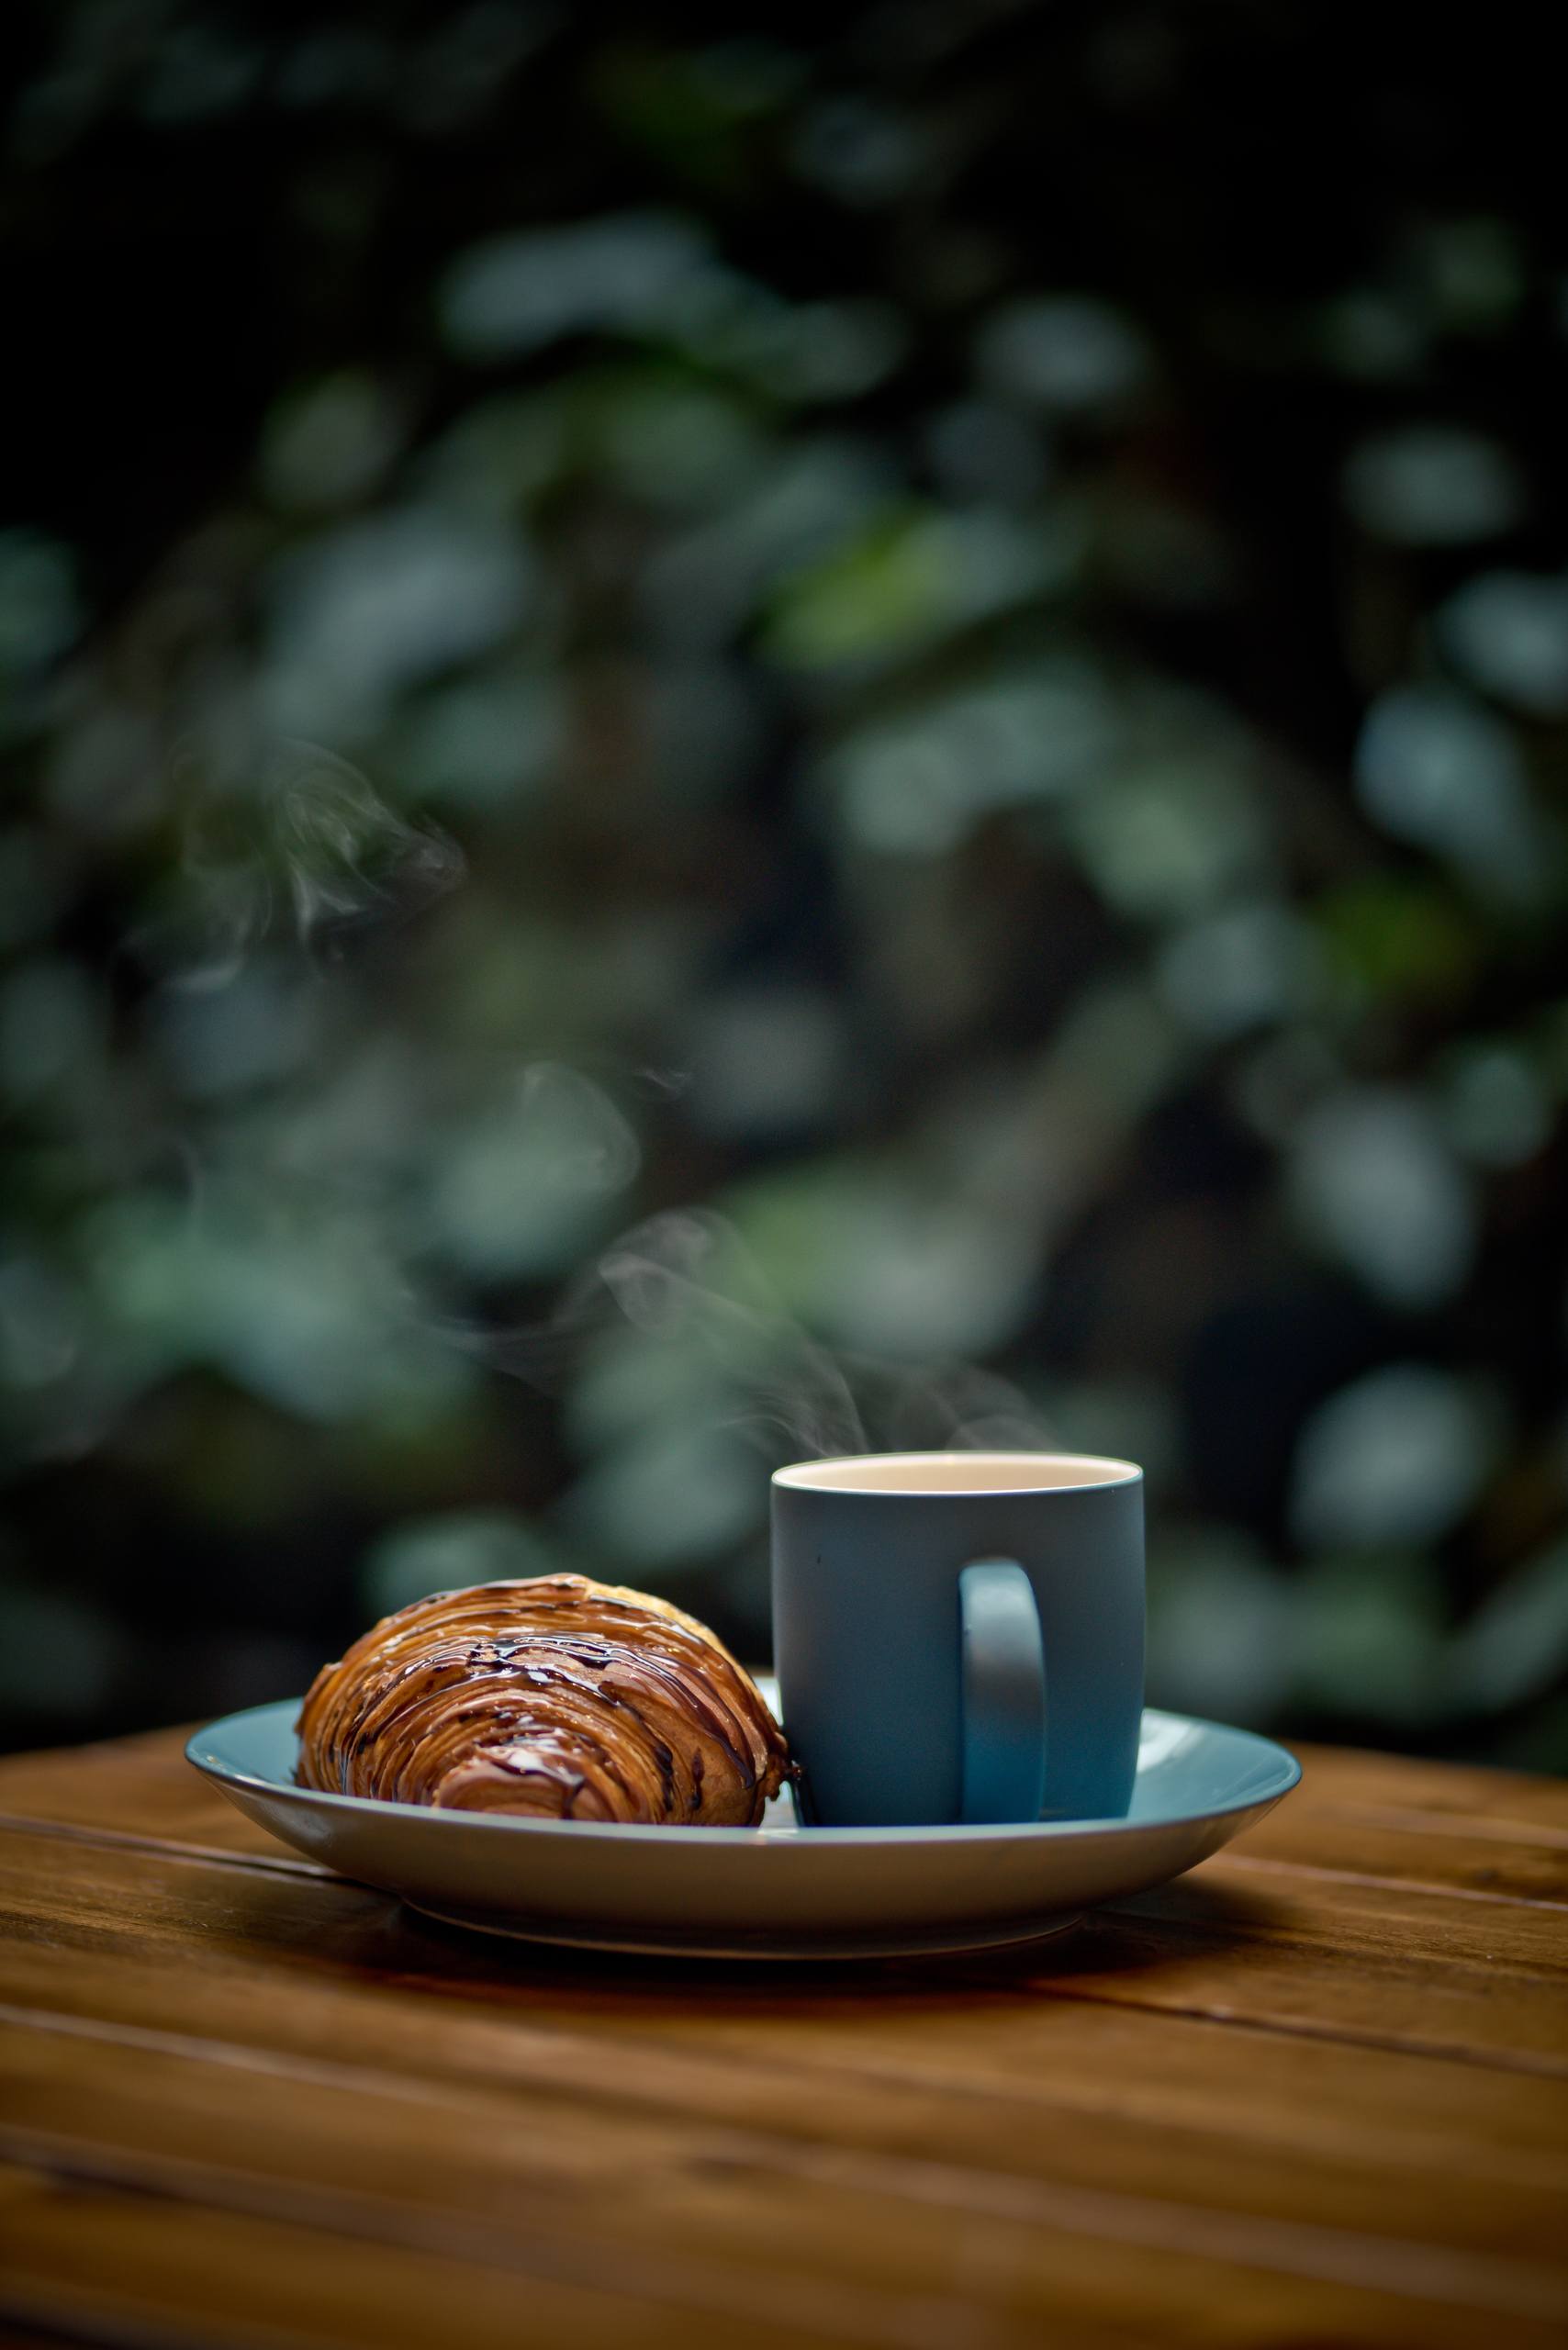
x=723, y=742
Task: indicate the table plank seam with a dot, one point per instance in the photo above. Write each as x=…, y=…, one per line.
x=322, y=2072
x=1243, y=1859
x=73, y=1831
x=1143, y=1915
x=723, y=2285
x=1402, y=2267
x=182, y=1850
x=420, y=1979
x=50, y=2329
x=1531, y=2060
x=1481, y=1828
x=448, y=2088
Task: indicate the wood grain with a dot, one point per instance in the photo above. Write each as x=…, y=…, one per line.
x=1314, y=2092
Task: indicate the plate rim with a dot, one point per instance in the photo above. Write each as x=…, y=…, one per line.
x=1287, y=1770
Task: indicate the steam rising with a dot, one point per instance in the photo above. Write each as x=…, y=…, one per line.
x=314, y=837
x=314, y=842
x=347, y=856
x=689, y=1284
x=688, y=1276
x=590, y=1147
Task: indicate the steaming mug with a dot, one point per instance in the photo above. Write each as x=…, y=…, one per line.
x=959, y=1636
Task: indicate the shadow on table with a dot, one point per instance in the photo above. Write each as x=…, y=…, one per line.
x=348, y=1928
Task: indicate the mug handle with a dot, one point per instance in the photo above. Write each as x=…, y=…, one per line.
x=1002, y=1668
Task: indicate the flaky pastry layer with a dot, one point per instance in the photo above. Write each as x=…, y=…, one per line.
x=556, y=1698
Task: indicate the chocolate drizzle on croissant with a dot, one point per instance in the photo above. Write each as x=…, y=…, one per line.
x=557, y=1698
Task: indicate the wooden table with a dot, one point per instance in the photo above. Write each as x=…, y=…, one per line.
x=1314, y=2093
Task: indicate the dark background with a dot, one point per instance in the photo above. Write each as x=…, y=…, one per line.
x=923, y=664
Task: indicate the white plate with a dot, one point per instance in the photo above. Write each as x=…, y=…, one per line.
x=777, y=1891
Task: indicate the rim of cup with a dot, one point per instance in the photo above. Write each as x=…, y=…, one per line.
x=956, y=1473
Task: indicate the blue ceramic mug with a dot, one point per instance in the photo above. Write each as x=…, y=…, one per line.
x=959, y=1636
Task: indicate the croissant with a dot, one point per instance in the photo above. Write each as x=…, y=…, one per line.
x=556, y=1698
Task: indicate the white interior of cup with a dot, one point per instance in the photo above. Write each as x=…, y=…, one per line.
x=957, y=1472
